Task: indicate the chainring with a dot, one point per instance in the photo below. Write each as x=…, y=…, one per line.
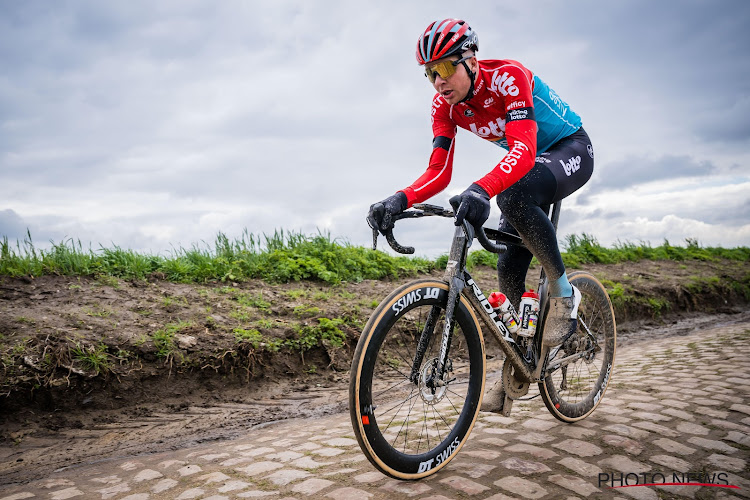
x=514, y=387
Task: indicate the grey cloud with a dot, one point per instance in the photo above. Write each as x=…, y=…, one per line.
x=12, y=225
x=635, y=170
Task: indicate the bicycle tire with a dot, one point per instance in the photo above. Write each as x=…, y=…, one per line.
x=574, y=396
x=399, y=443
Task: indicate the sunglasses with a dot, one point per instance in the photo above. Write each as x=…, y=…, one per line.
x=444, y=69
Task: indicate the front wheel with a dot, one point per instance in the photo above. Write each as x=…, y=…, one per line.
x=411, y=426
x=581, y=368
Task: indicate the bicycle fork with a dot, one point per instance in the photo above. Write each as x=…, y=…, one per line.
x=454, y=276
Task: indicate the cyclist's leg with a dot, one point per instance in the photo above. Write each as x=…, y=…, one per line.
x=571, y=161
x=524, y=206
x=512, y=266
x=557, y=173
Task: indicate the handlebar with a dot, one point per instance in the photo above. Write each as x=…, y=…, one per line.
x=423, y=209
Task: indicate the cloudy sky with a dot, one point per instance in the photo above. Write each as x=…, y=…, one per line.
x=153, y=125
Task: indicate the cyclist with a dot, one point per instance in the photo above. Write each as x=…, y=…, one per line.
x=549, y=156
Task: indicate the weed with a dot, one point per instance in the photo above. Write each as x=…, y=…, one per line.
x=327, y=330
x=163, y=339
x=255, y=301
x=241, y=315
x=298, y=293
x=658, y=306
x=252, y=337
x=92, y=358
x=306, y=311
x=25, y=320
x=168, y=301
x=289, y=256
x=106, y=280
x=264, y=323
x=98, y=312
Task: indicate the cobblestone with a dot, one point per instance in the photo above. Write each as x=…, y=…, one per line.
x=693, y=417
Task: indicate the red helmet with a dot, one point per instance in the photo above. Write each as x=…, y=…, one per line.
x=445, y=38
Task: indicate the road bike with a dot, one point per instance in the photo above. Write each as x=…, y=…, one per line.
x=418, y=372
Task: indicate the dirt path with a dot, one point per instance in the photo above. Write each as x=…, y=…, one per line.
x=677, y=406
x=148, y=428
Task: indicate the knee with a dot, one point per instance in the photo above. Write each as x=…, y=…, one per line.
x=512, y=200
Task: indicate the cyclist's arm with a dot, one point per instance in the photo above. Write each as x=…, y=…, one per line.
x=440, y=168
x=520, y=131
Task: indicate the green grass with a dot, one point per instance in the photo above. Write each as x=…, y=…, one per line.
x=163, y=338
x=279, y=258
x=92, y=358
x=289, y=256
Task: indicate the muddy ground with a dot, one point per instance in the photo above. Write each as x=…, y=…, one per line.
x=92, y=368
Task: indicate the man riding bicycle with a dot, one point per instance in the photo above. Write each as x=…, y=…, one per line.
x=549, y=157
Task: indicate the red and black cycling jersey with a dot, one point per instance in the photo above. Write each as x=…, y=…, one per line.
x=510, y=107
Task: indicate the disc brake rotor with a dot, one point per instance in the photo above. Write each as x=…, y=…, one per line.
x=429, y=394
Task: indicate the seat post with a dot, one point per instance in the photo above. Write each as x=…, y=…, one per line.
x=555, y=216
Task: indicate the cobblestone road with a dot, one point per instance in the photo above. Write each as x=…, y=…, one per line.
x=678, y=405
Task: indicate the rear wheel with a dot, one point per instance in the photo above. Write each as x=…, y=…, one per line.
x=407, y=428
x=580, y=369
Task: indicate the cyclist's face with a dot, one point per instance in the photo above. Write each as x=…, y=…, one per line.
x=455, y=87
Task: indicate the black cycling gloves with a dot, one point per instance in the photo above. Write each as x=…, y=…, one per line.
x=472, y=205
x=381, y=213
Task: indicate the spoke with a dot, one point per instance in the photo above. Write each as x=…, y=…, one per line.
x=443, y=419
x=424, y=426
x=401, y=403
x=437, y=428
x=406, y=381
x=454, y=406
x=457, y=394
x=403, y=375
x=406, y=422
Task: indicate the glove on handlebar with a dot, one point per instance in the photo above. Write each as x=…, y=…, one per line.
x=381, y=214
x=472, y=205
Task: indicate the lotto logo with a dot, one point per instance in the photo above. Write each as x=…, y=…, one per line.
x=572, y=165
x=496, y=128
x=503, y=84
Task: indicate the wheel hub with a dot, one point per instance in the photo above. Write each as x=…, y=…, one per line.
x=430, y=391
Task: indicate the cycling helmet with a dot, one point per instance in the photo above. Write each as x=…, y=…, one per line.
x=445, y=38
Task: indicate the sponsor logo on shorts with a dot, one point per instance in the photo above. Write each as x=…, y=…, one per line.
x=571, y=166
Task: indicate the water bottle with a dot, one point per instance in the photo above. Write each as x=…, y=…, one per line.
x=505, y=310
x=529, y=313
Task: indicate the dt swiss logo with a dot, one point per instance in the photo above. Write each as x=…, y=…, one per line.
x=496, y=128
x=503, y=84
x=572, y=165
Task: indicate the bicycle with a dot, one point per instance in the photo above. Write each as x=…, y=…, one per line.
x=418, y=372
